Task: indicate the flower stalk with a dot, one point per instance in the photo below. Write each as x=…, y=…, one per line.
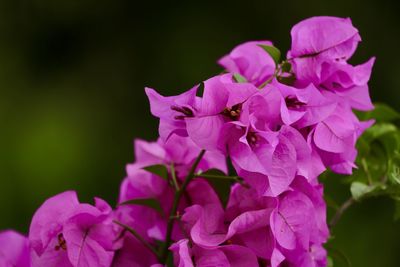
x=177, y=197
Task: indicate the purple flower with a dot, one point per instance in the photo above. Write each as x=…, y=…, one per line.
x=349, y=82
x=334, y=139
x=303, y=107
x=202, y=119
x=288, y=228
x=133, y=254
x=141, y=184
x=270, y=160
x=223, y=256
x=172, y=111
x=279, y=139
x=320, y=39
x=292, y=221
x=64, y=232
x=251, y=61
x=14, y=250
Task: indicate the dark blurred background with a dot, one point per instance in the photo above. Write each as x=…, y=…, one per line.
x=72, y=74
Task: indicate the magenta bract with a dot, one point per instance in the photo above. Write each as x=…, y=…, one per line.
x=279, y=124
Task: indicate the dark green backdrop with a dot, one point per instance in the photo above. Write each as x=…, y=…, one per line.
x=72, y=75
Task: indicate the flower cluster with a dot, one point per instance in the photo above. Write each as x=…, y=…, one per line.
x=279, y=125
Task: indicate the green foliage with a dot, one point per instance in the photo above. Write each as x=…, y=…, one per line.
x=360, y=190
x=378, y=160
x=330, y=262
x=286, y=66
x=381, y=113
x=148, y=202
x=274, y=52
x=239, y=78
x=288, y=80
x=220, y=182
x=158, y=169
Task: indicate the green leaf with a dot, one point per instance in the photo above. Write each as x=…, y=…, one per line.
x=286, y=66
x=273, y=52
x=288, y=80
x=138, y=237
x=239, y=78
x=394, y=168
x=378, y=130
x=391, y=142
x=330, y=262
x=220, y=182
x=381, y=113
x=148, y=202
x=215, y=172
x=360, y=190
x=200, y=89
x=158, y=169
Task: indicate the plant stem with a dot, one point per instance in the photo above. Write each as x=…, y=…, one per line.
x=138, y=237
x=173, y=175
x=223, y=177
x=175, y=204
x=204, y=175
x=347, y=204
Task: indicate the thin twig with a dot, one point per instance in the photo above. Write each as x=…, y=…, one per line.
x=347, y=204
x=138, y=237
x=175, y=204
x=237, y=179
x=173, y=175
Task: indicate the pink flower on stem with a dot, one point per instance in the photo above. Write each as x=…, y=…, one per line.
x=14, y=250
x=64, y=232
x=320, y=39
x=251, y=61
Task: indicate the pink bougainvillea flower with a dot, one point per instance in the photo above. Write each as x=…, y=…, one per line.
x=141, y=184
x=303, y=107
x=291, y=222
x=64, y=232
x=202, y=118
x=279, y=138
x=14, y=250
x=265, y=161
x=270, y=160
x=276, y=229
x=133, y=254
x=349, y=82
x=334, y=139
x=221, y=102
x=152, y=226
x=314, y=256
x=314, y=192
x=223, y=256
x=172, y=111
x=166, y=152
x=317, y=40
x=251, y=61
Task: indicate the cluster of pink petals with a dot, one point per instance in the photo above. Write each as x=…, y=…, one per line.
x=140, y=184
x=273, y=231
x=14, y=249
x=279, y=138
x=64, y=232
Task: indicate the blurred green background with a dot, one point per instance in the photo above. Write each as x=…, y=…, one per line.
x=72, y=74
